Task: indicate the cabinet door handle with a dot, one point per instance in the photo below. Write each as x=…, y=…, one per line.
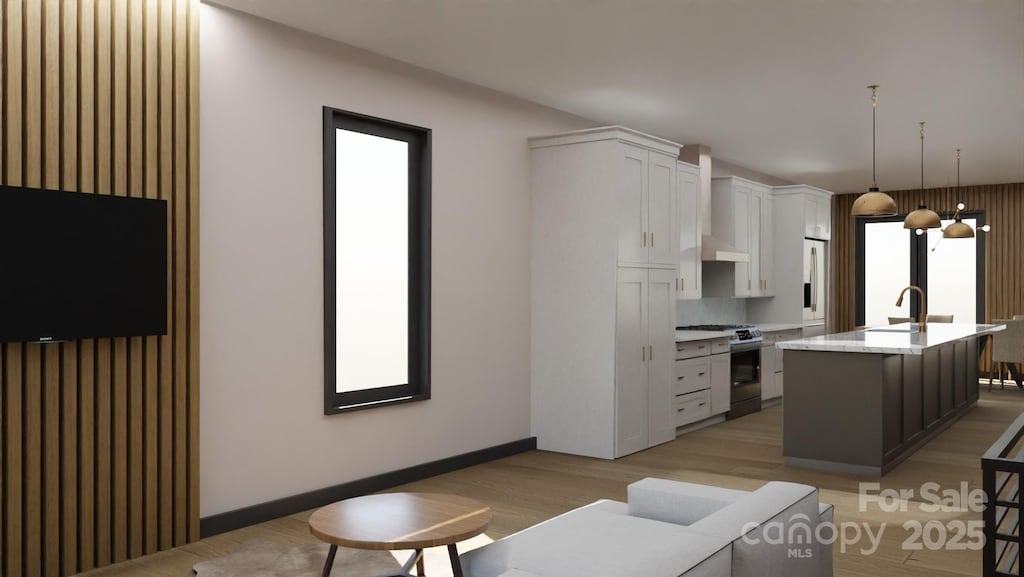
x=702, y=404
x=650, y=354
x=748, y=284
x=643, y=242
x=652, y=240
x=643, y=354
x=682, y=284
x=700, y=374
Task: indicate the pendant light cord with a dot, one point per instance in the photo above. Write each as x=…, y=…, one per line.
x=922, y=163
x=874, y=106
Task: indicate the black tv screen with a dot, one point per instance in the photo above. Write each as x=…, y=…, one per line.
x=75, y=265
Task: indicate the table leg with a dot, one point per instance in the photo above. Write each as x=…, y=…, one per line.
x=1015, y=374
x=420, y=565
x=453, y=554
x=330, y=561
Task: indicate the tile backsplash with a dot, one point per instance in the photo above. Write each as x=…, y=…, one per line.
x=711, y=311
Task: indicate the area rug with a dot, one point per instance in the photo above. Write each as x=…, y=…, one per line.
x=265, y=559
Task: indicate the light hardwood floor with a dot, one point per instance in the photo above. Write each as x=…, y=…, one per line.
x=531, y=487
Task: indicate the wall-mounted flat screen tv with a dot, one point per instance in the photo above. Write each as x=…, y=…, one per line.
x=75, y=265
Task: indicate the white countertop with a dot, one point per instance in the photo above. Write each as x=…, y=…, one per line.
x=685, y=336
x=893, y=343
x=775, y=327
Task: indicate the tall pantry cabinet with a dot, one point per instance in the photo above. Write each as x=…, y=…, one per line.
x=604, y=279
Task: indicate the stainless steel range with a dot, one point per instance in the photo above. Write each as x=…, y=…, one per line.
x=744, y=366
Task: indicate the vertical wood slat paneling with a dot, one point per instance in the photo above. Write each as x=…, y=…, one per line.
x=1003, y=205
x=69, y=363
x=32, y=413
x=165, y=85
x=151, y=130
x=51, y=402
x=179, y=207
x=119, y=175
x=136, y=425
x=99, y=438
x=192, y=236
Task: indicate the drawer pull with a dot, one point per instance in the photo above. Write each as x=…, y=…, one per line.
x=702, y=404
x=702, y=347
x=700, y=374
x=683, y=409
x=682, y=377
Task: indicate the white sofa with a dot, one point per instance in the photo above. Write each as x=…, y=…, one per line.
x=671, y=529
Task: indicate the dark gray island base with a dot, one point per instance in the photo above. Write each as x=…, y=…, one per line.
x=853, y=411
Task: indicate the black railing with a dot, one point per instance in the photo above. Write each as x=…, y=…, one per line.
x=1002, y=469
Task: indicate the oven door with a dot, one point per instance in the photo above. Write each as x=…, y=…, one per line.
x=745, y=370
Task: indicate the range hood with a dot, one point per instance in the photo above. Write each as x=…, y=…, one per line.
x=713, y=249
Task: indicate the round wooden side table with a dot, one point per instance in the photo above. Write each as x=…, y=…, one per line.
x=396, y=521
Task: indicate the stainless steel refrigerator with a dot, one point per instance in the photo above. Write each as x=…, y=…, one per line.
x=815, y=280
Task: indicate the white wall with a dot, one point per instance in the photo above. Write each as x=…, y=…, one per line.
x=263, y=433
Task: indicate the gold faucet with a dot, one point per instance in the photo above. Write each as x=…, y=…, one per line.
x=922, y=314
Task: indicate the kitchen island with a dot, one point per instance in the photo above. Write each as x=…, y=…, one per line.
x=860, y=402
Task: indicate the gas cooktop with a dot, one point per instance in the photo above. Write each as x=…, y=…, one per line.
x=741, y=334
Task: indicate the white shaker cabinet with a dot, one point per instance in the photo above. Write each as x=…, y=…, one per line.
x=721, y=383
x=689, y=224
x=646, y=200
x=740, y=216
x=604, y=272
x=644, y=356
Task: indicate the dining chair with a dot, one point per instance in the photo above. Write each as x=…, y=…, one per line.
x=900, y=320
x=1007, y=347
x=939, y=319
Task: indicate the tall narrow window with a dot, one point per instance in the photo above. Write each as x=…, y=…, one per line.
x=950, y=271
x=376, y=262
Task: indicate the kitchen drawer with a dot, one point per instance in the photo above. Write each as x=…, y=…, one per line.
x=691, y=349
x=693, y=407
x=719, y=346
x=693, y=375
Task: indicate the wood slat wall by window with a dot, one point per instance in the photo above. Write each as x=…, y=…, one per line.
x=99, y=438
x=1004, y=211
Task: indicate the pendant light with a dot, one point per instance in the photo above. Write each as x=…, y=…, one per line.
x=873, y=202
x=960, y=229
x=923, y=218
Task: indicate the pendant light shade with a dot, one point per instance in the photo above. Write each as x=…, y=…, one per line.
x=923, y=218
x=959, y=229
x=873, y=202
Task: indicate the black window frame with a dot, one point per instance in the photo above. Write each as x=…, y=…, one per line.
x=918, y=247
x=419, y=218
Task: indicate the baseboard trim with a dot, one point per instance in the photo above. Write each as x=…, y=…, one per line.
x=246, y=516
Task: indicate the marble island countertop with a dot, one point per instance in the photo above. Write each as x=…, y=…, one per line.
x=901, y=339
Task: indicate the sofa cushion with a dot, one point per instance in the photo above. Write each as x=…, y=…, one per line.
x=518, y=573
x=677, y=502
x=756, y=522
x=598, y=541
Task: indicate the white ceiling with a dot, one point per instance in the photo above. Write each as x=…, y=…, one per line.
x=777, y=86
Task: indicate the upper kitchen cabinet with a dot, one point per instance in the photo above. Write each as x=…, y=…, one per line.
x=604, y=258
x=800, y=213
x=688, y=201
x=646, y=203
x=741, y=215
x=817, y=212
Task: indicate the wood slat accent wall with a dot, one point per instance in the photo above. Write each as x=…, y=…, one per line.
x=1004, y=254
x=99, y=438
